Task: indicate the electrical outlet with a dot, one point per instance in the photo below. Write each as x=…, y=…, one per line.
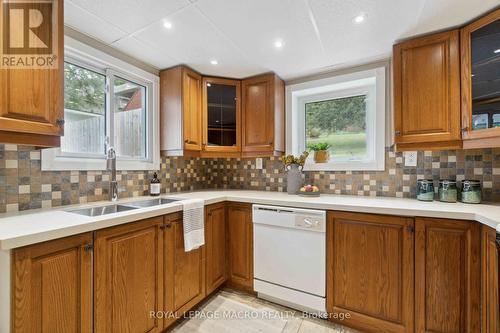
x=410, y=158
x=258, y=163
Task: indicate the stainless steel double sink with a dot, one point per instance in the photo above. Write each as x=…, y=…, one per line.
x=118, y=208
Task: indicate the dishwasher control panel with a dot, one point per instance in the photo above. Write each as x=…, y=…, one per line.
x=312, y=223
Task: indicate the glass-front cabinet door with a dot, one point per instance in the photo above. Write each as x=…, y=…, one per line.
x=480, y=42
x=222, y=118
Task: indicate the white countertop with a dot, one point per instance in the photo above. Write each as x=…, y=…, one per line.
x=34, y=226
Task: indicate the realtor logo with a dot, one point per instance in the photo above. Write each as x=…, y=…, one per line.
x=29, y=34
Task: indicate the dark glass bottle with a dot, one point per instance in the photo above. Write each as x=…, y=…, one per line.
x=155, y=186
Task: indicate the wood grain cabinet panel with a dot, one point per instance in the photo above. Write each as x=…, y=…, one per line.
x=240, y=245
x=191, y=90
x=263, y=116
x=128, y=277
x=489, y=291
x=447, y=278
x=52, y=286
x=215, y=246
x=31, y=100
x=370, y=271
x=180, y=111
x=184, y=272
x=427, y=92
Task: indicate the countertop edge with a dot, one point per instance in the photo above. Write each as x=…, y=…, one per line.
x=214, y=197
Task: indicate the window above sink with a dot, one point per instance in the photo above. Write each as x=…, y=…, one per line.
x=106, y=99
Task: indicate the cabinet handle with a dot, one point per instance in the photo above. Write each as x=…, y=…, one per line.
x=411, y=229
x=60, y=122
x=165, y=226
x=270, y=142
x=397, y=133
x=465, y=129
x=88, y=247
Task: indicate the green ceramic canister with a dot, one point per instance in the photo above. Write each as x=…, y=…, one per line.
x=471, y=191
x=447, y=190
x=425, y=190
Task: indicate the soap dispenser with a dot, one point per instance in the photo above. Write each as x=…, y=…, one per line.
x=155, y=185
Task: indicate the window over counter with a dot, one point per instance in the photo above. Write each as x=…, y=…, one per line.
x=344, y=113
x=107, y=102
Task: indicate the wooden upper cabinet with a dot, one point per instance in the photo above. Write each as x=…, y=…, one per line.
x=128, y=277
x=263, y=113
x=221, y=117
x=427, y=92
x=215, y=246
x=481, y=82
x=31, y=100
x=191, y=102
x=489, y=287
x=180, y=111
x=370, y=271
x=52, y=286
x=447, y=276
x=240, y=246
x=184, y=272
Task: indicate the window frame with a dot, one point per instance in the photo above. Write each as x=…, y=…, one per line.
x=370, y=83
x=87, y=57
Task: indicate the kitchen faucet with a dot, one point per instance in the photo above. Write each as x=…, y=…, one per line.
x=111, y=166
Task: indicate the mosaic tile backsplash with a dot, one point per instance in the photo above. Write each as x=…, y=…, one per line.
x=24, y=186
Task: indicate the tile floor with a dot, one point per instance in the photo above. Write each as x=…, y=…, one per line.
x=229, y=311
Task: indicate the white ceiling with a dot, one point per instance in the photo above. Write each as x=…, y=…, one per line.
x=318, y=34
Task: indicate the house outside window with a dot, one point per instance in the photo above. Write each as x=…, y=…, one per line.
x=107, y=103
x=346, y=112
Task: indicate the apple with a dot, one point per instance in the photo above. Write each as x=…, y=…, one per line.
x=309, y=188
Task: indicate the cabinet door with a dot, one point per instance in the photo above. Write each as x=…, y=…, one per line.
x=52, y=286
x=490, y=292
x=370, y=271
x=240, y=245
x=191, y=108
x=221, y=117
x=427, y=92
x=258, y=114
x=481, y=82
x=184, y=283
x=31, y=102
x=128, y=277
x=447, y=280
x=215, y=246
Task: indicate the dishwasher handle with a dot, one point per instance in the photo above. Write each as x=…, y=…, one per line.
x=276, y=210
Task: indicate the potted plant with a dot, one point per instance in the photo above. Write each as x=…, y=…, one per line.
x=293, y=167
x=321, y=152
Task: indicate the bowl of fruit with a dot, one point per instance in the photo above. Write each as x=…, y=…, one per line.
x=309, y=191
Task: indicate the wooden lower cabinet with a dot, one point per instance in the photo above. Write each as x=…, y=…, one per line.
x=240, y=246
x=52, y=286
x=370, y=271
x=128, y=277
x=184, y=272
x=447, y=276
x=490, y=289
x=215, y=246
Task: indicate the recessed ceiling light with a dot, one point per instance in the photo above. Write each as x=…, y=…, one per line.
x=278, y=44
x=167, y=25
x=358, y=19
x=214, y=62
x=496, y=51
x=209, y=84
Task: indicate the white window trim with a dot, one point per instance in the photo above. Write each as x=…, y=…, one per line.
x=353, y=84
x=82, y=54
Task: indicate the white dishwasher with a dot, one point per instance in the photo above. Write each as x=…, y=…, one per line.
x=289, y=256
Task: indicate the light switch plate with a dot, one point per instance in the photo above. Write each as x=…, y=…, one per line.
x=258, y=163
x=410, y=158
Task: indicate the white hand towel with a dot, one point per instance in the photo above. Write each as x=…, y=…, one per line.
x=193, y=224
